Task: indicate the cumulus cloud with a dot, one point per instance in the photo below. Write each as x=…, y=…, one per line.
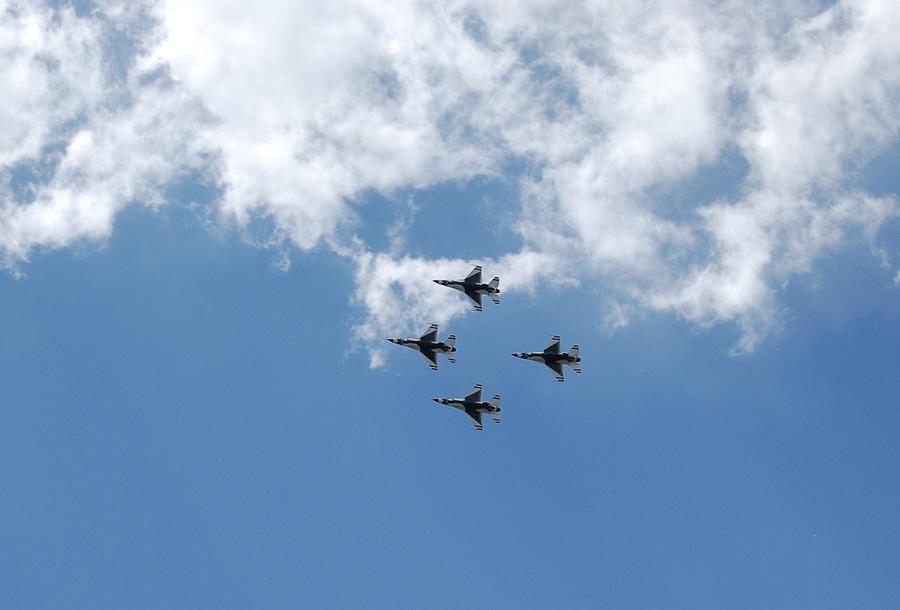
x=297, y=110
x=317, y=103
x=85, y=135
x=50, y=69
x=817, y=107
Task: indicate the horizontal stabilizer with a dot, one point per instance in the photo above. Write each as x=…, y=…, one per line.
x=576, y=366
x=574, y=351
x=495, y=283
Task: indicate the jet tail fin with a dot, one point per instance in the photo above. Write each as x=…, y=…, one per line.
x=450, y=342
x=495, y=401
x=574, y=351
x=576, y=366
x=494, y=283
x=495, y=297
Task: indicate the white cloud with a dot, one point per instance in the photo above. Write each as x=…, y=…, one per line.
x=49, y=73
x=827, y=102
x=299, y=109
x=818, y=109
x=108, y=163
x=99, y=140
x=315, y=104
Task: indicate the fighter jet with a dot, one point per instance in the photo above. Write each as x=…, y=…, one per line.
x=553, y=359
x=473, y=406
x=430, y=347
x=473, y=288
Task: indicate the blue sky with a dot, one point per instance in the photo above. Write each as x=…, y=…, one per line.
x=188, y=421
x=183, y=427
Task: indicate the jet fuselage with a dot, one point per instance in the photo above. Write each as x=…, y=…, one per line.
x=464, y=286
x=468, y=405
x=425, y=346
x=548, y=358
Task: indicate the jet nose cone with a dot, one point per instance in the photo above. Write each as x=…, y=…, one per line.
x=436, y=399
x=516, y=355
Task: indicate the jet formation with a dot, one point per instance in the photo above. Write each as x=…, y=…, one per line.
x=429, y=346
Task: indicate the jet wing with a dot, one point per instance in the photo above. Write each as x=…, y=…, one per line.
x=475, y=415
x=430, y=334
x=553, y=348
x=475, y=394
x=475, y=298
x=432, y=358
x=557, y=369
x=474, y=276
